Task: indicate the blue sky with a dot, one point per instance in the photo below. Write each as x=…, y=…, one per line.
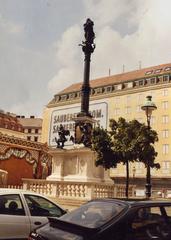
x=39, y=52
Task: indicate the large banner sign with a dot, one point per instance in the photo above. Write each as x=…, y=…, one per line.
x=99, y=112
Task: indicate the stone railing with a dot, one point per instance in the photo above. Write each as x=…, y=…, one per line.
x=76, y=190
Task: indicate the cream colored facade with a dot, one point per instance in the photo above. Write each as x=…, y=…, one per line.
x=121, y=96
x=32, y=127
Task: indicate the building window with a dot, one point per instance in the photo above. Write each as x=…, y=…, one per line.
x=29, y=130
x=128, y=99
x=165, y=133
x=167, y=68
x=140, y=98
x=139, y=108
x=165, y=104
x=117, y=111
x=98, y=90
x=36, y=139
x=165, y=149
x=28, y=138
x=64, y=97
x=149, y=72
x=127, y=110
x=158, y=70
x=72, y=95
x=165, y=119
x=108, y=89
x=153, y=120
x=160, y=79
x=165, y=92
x=128, y=85
x=117, y=100
x=165, y=78
x=36, y=131
x=141, y=82
x=153, y=80
x=165, y=166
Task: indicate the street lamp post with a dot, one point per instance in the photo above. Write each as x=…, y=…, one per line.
x=148, y=107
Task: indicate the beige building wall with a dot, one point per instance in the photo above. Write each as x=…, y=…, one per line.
x=126, y=102
x=32, y=127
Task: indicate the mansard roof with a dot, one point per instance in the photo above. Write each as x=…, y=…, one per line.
x=123, y=77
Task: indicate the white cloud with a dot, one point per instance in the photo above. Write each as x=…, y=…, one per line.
x=148, y=43
x=68, y=59
x=127, y=31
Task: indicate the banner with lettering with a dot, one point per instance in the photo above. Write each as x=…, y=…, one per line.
x=63, y=116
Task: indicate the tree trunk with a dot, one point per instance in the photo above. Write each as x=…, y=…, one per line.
x=127, y=179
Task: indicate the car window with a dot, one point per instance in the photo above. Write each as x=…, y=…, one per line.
x=40, y=206
x=11, y=204
x=94, y=214
x=168, y=211
x=149, y=223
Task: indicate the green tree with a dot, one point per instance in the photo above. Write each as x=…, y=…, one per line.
x=125, y=142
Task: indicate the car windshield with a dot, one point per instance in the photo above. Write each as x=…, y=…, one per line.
x=94, y=214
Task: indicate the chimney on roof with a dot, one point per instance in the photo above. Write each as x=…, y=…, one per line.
x=139, y=65
x=109, y=71
x=31, y=116
x=123, y=68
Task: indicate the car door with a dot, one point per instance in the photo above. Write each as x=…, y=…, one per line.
x=14, y=222
x=40, y=208
x=148, y=223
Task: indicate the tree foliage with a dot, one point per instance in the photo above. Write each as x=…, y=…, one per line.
x=103, y=146
x=126, y=141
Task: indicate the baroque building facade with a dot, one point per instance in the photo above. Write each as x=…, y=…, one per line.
x=121, y=95
x=19, y=157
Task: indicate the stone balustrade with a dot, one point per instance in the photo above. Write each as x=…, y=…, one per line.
x=75, y=190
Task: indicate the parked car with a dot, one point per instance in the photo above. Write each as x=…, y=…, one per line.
x=111, y=219
x=22, y=211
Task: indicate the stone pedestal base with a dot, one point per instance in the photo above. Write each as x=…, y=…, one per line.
x=78, y=165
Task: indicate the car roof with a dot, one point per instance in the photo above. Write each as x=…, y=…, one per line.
x=18, y=191
x=135, y=202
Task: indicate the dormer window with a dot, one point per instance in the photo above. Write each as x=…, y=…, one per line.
x=149, y=72
x=167, y=69
x=63, y=97
x=57, y=98
x=98, y=90
x=71, y=95
x=108, y=89
x=118, y=87
x=158, y=70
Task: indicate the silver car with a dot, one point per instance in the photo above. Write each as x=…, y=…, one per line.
x=22, y=211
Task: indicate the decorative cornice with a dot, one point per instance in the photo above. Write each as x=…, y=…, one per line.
x=22, y=142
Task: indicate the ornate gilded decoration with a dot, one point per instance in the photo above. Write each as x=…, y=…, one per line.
x=20, y=153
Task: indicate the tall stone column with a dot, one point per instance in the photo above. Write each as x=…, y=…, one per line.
x=84, y=121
